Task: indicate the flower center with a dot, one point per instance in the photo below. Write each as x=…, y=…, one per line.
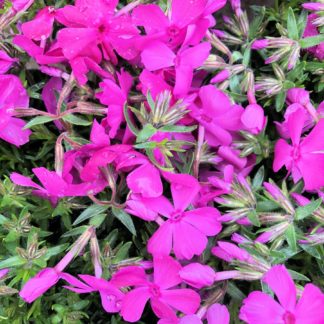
x=296, y=153
x=176, y=216
x=173, y=31
x=289, y=318
x=155, y=290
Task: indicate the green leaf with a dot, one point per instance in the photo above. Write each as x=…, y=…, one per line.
x=129, y=121
x=75, y=231
x=144, y=134
x=311, y=41
x=258, y=179
x=280, y=101
x=291, y=237
x=76, y=120
x=55, y=250
x=147, y=145
x=91, y=211
x=298, y=276
x=12, y=262
x=253, y=218
x=38, y=121
x=150, y=100
x=177, y=129
x=124, y=218
x=247, y=56
x=123, y=252
x=307, y=210
x=292, y=25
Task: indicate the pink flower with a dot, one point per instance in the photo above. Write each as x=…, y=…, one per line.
x=197, y=275
x=158, y=55
x=253, y=118
x=177, y=231
x=48, y=277
x=217, y=115
x=6, y=62
x=12, y=95
x=115, y=96
x=41, y=26
x=218, y=314
x=164, y=301
x=95, y=31
x=304, y=158
x=259, y=307
x=111, y=297
x=145, y=180
x=186, y=17
x=49, y=95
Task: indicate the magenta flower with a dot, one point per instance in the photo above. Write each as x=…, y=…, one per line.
x=145, y=180
x=12, y=95
x=259, y=307
x=253, y=118
x=158, y=55
x=177, y=231
x=197, y=275
x=95, y=31
x=111, y=297
x=314, y=6
x=216, y=113
x=115, y=96
x=55, y=186
x=6, y=62
x=41, y=27
x=304, y=158
x=48, y=277
x=164, y=300
x=173, y=30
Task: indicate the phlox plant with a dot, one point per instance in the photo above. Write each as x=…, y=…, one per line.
x=162, y=161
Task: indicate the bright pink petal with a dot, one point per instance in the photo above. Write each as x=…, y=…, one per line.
x=14, y=133
x=185, y=300
x=205, y=219
x=163, y=310
x=296, y=121
x=75, y=40
x=51, y=181
x=146, y=181
x=134, y=303
x=184, y=188
x=98, y=134
x=310, y=307
x=166, y=272
x=185, y=12
x=184, y=75
x=282, y=155
x=21, y=180
x=261, y=308
x=279, y=280
x=311, y=168
x=218, y=314
x=313, y=142
x=157, y=56
x=189, y=319
x=151, y=17
x=197, y=275
x=129, y=276
x=195, y=56
x=160, y=243
x=184, y=246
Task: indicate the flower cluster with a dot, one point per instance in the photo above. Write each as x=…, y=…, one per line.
x=158, y=114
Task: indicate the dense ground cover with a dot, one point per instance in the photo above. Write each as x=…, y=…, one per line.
x=161, y=161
